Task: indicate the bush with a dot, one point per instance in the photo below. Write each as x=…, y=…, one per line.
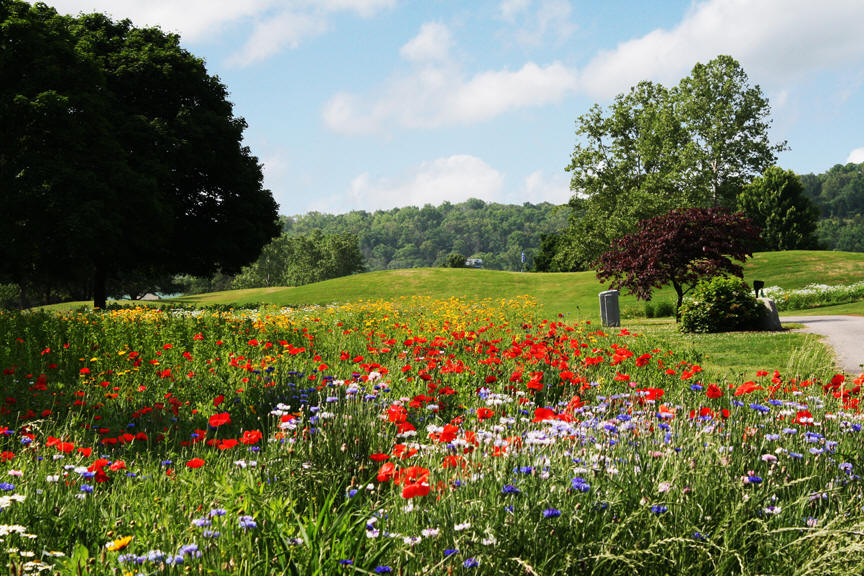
x=720, y=304
x=663, y=309
x=9, y=296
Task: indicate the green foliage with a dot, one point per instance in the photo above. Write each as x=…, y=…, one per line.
x=662, y=309
x=720, y=304
x=656, y=149
x=299, y=260
x=412, y=237
x=120, y=153
x=10, y=296
x=455, y=260
x=775, y=202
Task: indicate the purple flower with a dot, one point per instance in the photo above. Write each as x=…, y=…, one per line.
x=579, y=484
x=551, y=513
x=383, y=570
x=470, y=563
x=659, y=509
x=247, y=522
x=510, y=489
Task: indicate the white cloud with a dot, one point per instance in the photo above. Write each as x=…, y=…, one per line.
x=509, y=9
x=278, y=24
x=856, y=156
x=270, y=36
x=435, y=92
x=551, y=21
x=431, y=44
x=364, y=8
x=454, y=179
x=194, y=20
x=776, y=41
x=540, y=187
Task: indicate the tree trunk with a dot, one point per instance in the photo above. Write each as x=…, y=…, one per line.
x=680, y=292
x=99, y=289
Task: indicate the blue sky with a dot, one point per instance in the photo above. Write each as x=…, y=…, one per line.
x=373, y=104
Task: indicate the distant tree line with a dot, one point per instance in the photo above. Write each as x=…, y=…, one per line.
x=412, y=237
x=839, y=195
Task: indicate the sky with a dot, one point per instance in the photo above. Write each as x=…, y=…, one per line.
x=377, y=104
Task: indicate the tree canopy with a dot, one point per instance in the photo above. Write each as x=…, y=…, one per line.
x=655, y=149
x=120, y=153
x=776, y=203
x=678, y=248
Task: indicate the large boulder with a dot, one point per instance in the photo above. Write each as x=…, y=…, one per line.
x=769, y=319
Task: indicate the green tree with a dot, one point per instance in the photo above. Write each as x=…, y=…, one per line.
x=655, y=149
x=455, y=260
x=119, y=154
x=775, y=202
x=727, y=121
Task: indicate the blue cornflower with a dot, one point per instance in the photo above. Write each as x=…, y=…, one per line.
x=25, y=440
x=551, y=513
x=579, y=484
x=760, y=408
x=217, y=512
x=623, y=417
x=383, y=570
x=789, y=431
x=815, y=450
x=846, y=467
x=167, y=462
x=796, y=455
x=247, y=522
x=346, y=562
x=737, y=403
x=470, y=563
x=450, y=551
x=772, y=437
x=754, y=480
x=352, y=493
x=510, y=489
x=212, y=534
x=201, y=522
x=6, y=486
x=189, y=549
x=86, y=488
x=696, y=387
x=659, y=509
x=699, y=536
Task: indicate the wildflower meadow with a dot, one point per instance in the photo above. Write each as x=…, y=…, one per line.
x=416, y=436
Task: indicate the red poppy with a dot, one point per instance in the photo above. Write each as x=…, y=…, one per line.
x=217, y=420
x=379, y=457
x=747, y=388
x=714, y=391
x=387, y=472
x=195, y=463
x=251, y=437
x=541, y=414
x=414, y=490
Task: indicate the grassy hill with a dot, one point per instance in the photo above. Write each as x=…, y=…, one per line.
x=573, y=294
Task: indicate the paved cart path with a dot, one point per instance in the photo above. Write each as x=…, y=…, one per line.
x=845, y=334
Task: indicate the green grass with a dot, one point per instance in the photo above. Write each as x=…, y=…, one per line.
x=737, y=356
x=572, y=294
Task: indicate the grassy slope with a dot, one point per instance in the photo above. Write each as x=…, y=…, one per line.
x=573, y=294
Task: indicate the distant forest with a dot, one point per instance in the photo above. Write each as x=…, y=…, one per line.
x=839, y=194
x=414, y=237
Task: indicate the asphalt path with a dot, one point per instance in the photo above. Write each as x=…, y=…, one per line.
x=845, y=334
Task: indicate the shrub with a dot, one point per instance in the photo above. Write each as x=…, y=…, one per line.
x=720, y=304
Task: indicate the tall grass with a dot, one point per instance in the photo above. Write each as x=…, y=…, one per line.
x=415, y=436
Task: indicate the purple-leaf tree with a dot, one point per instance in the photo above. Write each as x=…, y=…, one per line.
x=680, y=248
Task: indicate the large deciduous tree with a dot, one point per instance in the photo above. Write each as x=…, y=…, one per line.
x=678, y=248
x=120, y=153
x=655, y=149
x=776, y=203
